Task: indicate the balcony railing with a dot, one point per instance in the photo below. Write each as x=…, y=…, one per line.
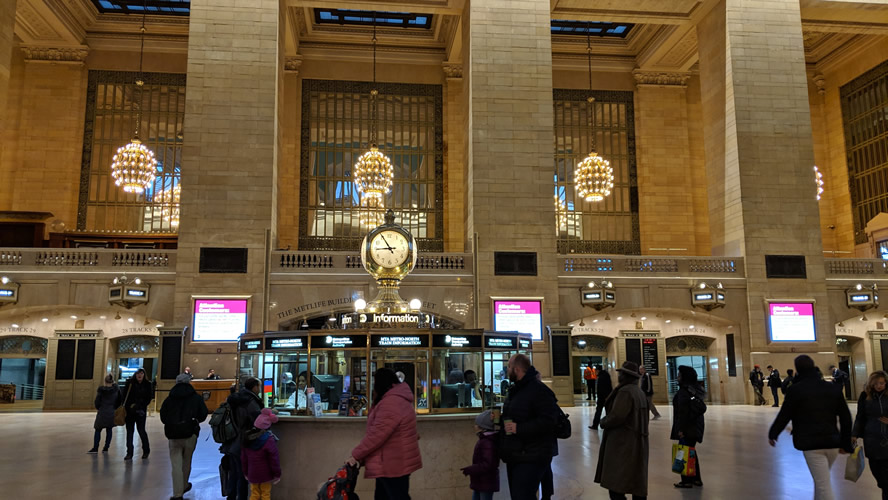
x=606, y=265
x=856, y=268
x=87, y=259
x=313, y=262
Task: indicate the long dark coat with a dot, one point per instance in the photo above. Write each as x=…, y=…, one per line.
x=623, y=454
x=107, y=400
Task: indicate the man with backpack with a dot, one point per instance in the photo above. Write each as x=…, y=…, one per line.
x=181, y=413
x=528, y=437
x=775, y=384
x=757, y=379
x=244, y=406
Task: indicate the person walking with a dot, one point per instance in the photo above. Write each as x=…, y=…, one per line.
x=245, y=406
x=841, y=379
x=107, y=400
x=484, y=471
x=181, y=413
x=813, y=405
x=590, y=377
x=871, y=424
x=527, y=438
x=788, y=381
x=604, y=389
x=623, y=453
x=775, y=383
x=647, y=387
x=138, y=394
x=688, y=423
x=260, y=458
x=756, y=378
x=389, y=450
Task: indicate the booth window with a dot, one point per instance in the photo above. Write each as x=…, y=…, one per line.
x=610, y=226
x=336, y=132
x=413, y=364
x=865, y=119
x=335, y=373
x=112, y=102
x=289, y=375
x=456, y=379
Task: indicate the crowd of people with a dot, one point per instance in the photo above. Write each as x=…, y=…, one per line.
x=523, y=434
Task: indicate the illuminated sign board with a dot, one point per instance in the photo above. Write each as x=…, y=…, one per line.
x=287, y=343
x=399, y=340
x=338, y=341
x=702, y=296
x=526, y=344
x=791, y=322
x=523, y=316
x=861, y=298
x=130, y=292
x=251, y=345
x=7, y=293
x=219, y=320
x=451, y=340
x=498, y=342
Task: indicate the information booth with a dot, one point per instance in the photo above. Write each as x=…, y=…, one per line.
x=448, y=371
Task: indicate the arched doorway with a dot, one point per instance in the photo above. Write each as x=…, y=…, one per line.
x=588, y=350
x=23, y=365
x=688, y=350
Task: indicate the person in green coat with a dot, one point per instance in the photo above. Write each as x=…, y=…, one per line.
x=623, y=454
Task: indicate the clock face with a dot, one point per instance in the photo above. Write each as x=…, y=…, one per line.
x=389, y=249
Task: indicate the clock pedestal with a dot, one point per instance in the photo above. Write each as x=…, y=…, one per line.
x=388, y=300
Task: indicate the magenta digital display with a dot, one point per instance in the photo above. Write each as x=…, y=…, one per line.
x=791, y=322
x=523, y=316
x=219, y=320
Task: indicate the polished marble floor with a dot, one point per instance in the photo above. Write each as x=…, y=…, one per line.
x=43, y=455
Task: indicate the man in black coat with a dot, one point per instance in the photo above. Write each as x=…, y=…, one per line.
x=841, y=379
x=688, y=422
x=527, y=439
x=775, y=383
x=757, y=379
x=138, y=394
x=813, y=405
x=181, y=413
x=604, y=390
x=245, y=406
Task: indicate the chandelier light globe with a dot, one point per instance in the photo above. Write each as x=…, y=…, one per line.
x=818, y=179
x=560, y=211
x=594, y=178
x=169, y=199
x=374, y=174
x=372, y=211
x=134, y=167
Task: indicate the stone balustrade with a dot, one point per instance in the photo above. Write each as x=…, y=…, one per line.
x=314, y=261
x=654, y=266
x=85, y=259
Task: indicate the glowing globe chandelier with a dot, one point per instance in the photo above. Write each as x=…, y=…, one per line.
x=593, y=177
x=373, y=173
x=818, y=179
x=134, y=167
x=560, y=211
x=169, y=199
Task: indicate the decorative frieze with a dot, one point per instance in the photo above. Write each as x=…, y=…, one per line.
x=56, y=54
x=292, y=64
x=660, y=78
x=453, y=71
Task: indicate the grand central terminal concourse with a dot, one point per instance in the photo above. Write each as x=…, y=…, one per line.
x=443, y=249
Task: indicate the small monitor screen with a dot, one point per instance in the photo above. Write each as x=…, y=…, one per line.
x=219, y=320
x=791, y=322
x=523, y=316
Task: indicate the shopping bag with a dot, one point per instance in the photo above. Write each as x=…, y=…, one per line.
x=855, y=464
x=680, y=454
x=691, y=465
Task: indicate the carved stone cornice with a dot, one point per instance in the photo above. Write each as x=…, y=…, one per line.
x=75, y=55
x=820, y=83
x=660, y=78
x=292, y=64
x=453, y=71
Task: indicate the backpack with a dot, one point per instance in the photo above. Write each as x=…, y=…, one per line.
x=562, y=425
x=341, y=486
x=222, y=424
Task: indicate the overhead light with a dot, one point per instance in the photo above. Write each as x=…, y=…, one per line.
x=158, y=325
x=137, y=281
x=619, y=317
x=4, y=280
x=131, y=320
x=360, y=304
x=594, y=176
x=643, y=318
x=668, y=321
x=864, y=318
x=146, y=323
x=331, y=318
x=415, y=304
x=304, y=323
x=841, y=324
x=117, y=316
x=582, y=323
x=103, y=317
x=690, y=326
x=607, y=317
x=632, y=315
x=15, y=325
x=595, y=321
x=44, y=320
x=73, y=317
x=818, y=180
x=581, y=343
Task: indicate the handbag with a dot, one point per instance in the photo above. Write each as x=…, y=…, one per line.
x=855, y=464
x=120, y=411
x=680, y=455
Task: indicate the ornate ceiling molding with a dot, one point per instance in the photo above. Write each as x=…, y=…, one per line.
x=660, y=79
x=56, y=54
x=453, y=71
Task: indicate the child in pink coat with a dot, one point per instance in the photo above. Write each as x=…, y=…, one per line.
x=259, y=456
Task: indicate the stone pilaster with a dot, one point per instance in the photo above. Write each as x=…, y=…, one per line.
x=7, y=45
x=228, y=174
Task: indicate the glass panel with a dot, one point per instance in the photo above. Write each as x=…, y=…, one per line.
x=289, y=374
x=496, y=379
x=456, y=379
x=339, y=374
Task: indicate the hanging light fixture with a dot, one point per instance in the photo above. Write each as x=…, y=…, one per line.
x=593, y=177
x=169, y=199
x=561, y=211
x=373, y=172
x=134, y=167
x=818, y=179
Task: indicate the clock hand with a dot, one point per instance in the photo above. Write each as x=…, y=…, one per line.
x=390, y=248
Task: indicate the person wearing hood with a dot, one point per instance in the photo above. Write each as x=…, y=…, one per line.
x=484, y=471
x=245, y=405
x=623, y=453
x=389, y=450
x=181, y=413
x=107, y=400
x=870, y=424
x=138, y=394
x=527, y=439
x=259, y=456
x=688, y=424
x=813, y=405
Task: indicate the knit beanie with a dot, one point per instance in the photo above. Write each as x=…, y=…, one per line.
x=265, y=419
x=484, y=420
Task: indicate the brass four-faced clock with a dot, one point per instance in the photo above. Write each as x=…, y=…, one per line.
x=388, y=253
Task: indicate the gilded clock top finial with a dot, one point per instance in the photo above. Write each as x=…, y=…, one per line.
x=389, y=216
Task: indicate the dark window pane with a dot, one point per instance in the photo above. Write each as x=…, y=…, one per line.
x=86, y=357
x=65, y=359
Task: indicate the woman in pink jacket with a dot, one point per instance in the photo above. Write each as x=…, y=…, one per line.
x=390, y=449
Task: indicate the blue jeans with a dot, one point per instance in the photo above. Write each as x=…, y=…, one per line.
x=482, y=495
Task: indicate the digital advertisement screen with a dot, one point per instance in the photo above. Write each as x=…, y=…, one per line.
x=222, y=320
x=518, y=316
x=791, y=322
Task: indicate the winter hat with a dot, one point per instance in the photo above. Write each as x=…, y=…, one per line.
x=183, y=378
x=484, y=420
x=630, y=368
x=265, y=419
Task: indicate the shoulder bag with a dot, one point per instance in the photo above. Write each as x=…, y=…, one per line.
x=120, y=411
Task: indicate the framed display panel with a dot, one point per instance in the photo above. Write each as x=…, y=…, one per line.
x=523, y=315
x=219, y=319
x=791, y=320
